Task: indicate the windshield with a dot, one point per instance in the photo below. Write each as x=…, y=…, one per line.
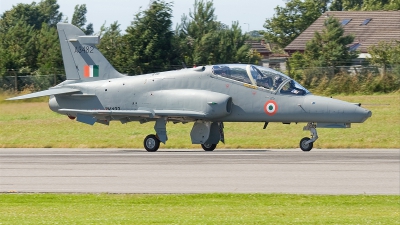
x=262, y=77
x=235, y=72
x=280, y=81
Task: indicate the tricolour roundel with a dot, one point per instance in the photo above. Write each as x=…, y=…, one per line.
x=271, y=107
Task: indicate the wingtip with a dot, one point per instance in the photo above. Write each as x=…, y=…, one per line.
x=13, y=98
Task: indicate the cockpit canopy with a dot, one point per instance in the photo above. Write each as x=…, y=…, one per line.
x=260, y=76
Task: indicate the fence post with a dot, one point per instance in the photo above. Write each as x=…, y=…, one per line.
x=16, y=80
x=55, y=76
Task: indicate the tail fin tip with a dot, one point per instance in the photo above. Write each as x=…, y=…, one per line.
x=82, y=60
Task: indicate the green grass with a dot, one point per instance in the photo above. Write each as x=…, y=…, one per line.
x=198, y=209
x=33, y=124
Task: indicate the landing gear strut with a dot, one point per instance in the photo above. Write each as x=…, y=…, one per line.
x=306, y=144
x=152, y=142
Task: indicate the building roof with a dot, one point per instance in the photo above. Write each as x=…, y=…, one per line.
x=368, y=27
x=260, y=47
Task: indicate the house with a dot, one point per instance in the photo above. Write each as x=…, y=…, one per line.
x=368, y=28
x=261, y=47
x=268, y=58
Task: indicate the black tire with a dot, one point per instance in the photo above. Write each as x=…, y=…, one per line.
x=306, y=147
x=151, y=143
x=208, y=147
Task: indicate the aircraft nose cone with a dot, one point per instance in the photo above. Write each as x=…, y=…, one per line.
x=333, y=110
x=355, y=113
x=365, y=113
x=369, y=114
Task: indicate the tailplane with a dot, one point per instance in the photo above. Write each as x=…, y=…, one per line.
x=82, y=60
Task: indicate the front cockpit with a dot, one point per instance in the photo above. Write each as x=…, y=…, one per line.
x=261, y=77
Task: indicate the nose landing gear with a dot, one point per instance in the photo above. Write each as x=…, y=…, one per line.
x=306, y=144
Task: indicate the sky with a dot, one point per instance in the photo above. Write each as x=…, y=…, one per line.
x=251, y=14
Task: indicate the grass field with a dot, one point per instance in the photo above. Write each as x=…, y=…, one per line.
x=33, y=124
x=197, y=209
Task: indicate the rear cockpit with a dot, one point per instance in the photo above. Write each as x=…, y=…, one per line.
x=260, y=78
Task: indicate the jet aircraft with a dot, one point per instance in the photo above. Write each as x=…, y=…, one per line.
x=208, y=96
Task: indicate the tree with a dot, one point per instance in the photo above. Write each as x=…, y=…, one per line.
x=336, y=5
x=193, y=28
x=49, y=59
x=111, y=41
x=203, y=19
x=33, y=14
x=384, y=54
x=392, y=5
x=371, y=5
x=22, y=38
x=364, y=5
x=346, y=5
x=290, y=21
x=296, y=63
x=26, y=12
x=224, y=46
x=148, y=41
x=329, y=48
x=204, y=40
x=17, y=46
x=49, y=13
x=79, y=19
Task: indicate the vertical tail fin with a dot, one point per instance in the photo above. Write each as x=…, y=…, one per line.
x=82, y=60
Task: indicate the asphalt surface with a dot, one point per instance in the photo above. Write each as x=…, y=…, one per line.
x=321, y=171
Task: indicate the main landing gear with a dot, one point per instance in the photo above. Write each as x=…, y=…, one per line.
x=208, y=147
x=151, y=143
x=206, y=133
x=306, y=144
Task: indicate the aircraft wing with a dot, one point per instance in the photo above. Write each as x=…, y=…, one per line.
x=100, y=112
x=139, y=112
x=55, y=91
x=92, y=116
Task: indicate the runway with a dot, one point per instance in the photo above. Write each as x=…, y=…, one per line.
x=321, y=171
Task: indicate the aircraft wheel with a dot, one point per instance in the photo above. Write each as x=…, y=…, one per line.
x=306, y=147
x=151, y=143
x=208, y=147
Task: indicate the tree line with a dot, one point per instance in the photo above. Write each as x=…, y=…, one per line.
x=29, y=41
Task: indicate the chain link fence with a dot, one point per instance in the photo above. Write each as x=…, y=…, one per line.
x=20, y=82
x=350, y=79
x=309, y=77
x=359, y=70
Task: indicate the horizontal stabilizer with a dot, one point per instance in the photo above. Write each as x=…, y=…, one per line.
x=55, y=91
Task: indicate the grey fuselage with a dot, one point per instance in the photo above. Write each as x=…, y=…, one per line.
x=209, y=96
